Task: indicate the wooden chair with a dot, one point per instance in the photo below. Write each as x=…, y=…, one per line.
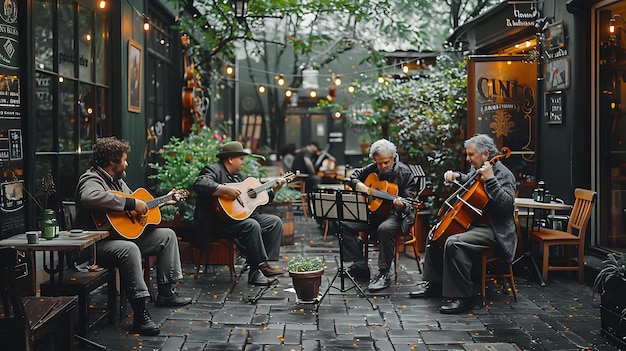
x=223, y=252
x=370, y=241
x=489, y=257
x=573, y=236
x=69, y=215
x=300, y=185
x=26, y=321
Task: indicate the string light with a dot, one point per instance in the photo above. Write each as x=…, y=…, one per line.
x=146, y=24
x=261, y=89
x=280, y=80
x=288, y=93
x=313, y=93
x=230, y=70
x=103, y=4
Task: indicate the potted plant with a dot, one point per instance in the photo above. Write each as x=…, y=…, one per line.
x=306, y=274
x=182, y=160
x=610, y=283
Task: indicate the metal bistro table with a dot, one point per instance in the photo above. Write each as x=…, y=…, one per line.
x=536, y=207
x=65, y=242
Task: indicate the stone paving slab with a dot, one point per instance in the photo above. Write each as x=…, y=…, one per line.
x=563, y=315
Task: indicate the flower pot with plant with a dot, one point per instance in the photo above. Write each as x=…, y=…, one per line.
x=610, y=283
x=306, y=274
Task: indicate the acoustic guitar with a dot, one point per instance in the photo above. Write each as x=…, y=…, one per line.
x=130, y=224
x=384, y=192
x=253, y=195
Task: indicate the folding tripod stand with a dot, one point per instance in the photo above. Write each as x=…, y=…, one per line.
x=339, y=206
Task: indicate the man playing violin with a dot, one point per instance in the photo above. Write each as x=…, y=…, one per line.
x=388, y=221
x=448, y=265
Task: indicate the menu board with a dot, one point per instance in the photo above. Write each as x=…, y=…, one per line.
x=12, y=199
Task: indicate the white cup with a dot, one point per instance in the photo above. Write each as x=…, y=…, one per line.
x=32, y=237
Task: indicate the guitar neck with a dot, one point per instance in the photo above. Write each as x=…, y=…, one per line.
x=159, y=200
x=386, y=196
x=265, y=186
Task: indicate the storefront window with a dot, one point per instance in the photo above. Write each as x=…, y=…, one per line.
x=612, y=128
x=67, y=38
x=85, y=44
x=72, y=98
x=43, y=35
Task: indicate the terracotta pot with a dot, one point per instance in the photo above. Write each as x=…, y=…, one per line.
x=307, y=284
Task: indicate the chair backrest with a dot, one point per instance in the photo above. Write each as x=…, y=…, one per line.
x=69, y=214
x=13, y=320
x=581, y=212
x=419, y=176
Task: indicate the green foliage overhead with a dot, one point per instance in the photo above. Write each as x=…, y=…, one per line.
x=424, y=115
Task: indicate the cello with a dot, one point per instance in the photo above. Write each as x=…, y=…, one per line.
x=464, y=206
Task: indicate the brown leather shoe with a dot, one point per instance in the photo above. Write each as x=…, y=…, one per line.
x=268, y=271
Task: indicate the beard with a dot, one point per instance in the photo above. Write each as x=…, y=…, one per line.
x=120, y=174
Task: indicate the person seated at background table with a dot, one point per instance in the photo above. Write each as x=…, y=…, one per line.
x=305, y=161
x=387, y=168
x=289, y=153
x=258, y=236
x=94, y=199
x=447, y=270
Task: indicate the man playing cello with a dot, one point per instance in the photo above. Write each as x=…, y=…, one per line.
x=448, y=264
x=386, y=169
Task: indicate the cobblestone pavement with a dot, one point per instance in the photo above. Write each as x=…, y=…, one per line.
x=225, y=315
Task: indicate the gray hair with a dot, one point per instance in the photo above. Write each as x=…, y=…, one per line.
x=382, y=146
x=483, y=142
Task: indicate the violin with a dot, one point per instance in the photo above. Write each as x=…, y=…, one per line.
x=464, y=206
x=383, y=193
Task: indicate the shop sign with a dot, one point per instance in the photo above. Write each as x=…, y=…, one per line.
x=523, y=15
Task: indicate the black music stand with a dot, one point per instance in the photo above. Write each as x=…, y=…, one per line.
x=340, y=206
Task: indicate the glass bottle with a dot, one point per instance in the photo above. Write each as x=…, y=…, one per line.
x=50, y=226
x=541, y=189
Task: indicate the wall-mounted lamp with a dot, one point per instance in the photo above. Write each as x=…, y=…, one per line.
x=240, y=8
x=146, y=24
x=102, y=4
x=613, y=25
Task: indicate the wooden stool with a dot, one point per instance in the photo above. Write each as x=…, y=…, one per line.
x=223, y=252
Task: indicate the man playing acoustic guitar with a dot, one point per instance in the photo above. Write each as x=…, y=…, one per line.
x=448, y=263
x=95, y=196
x=388, y=219
x=258, y=235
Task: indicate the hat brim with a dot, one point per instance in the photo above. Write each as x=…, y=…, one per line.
x=231, y=154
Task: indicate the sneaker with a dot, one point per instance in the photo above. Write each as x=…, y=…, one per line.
x=174, y=300
x=143, y=324
x=255, y=277
x=382, y=281
x=359, y=270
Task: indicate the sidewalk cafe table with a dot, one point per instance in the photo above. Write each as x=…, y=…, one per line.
x=537, y=207
x=65, y=242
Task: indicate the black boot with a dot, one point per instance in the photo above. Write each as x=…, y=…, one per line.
x=142, y=323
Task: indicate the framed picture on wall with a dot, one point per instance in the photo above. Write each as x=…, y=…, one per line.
x=556, y=74
x=135, y=73
x=556, y=35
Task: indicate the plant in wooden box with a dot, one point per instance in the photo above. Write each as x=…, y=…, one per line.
x=611, y=284
x=306, y=274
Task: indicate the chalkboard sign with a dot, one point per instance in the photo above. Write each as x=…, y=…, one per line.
x=555, y=103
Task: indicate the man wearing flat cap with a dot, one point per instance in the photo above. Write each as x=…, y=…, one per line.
x=258, y=236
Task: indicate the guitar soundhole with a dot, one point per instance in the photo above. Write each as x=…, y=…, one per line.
x=251, y=193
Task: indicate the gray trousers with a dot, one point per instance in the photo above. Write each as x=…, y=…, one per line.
x=386, y=227
x=451, y=267
x=126, y=255
x=258, y=237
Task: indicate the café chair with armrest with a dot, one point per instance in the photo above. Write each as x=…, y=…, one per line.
x=574, y=235
x=27, y=321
